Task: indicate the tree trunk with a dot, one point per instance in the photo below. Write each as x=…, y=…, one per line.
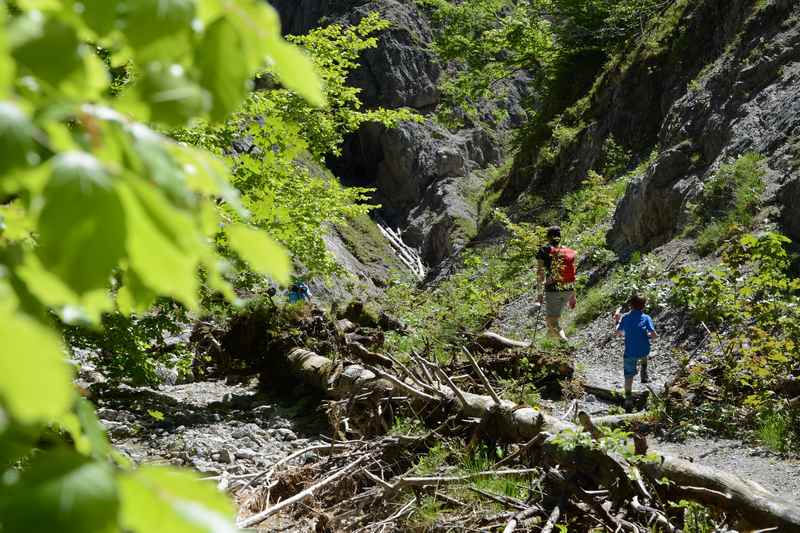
x=510, y=422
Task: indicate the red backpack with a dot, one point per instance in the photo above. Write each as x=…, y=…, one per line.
x=563, y=268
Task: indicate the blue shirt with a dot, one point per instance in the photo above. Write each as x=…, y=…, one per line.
x=636, y=326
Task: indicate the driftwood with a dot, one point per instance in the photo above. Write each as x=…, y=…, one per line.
x=492, y=341
x=509, y=422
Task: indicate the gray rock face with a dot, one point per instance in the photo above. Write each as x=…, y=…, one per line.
x=725, y=82
x=748, y=101
x=421, y=171
x=401, y=70
x=790, y=200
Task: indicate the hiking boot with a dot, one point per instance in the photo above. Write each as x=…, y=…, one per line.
x=629, y=405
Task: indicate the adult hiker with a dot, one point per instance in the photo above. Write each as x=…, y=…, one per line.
x=556, y=275
x=638, y=329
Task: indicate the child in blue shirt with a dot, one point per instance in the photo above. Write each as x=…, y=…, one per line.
x=638, y=329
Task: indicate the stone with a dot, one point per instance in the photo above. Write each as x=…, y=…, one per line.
x=245, y=453
x=262, y=410
x=286, y=434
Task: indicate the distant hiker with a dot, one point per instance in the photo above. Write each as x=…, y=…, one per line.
x=299, y=292
x=638, y=329
x=556, y=276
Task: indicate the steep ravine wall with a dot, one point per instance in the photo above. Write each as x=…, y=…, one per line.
x=424, y=174
x=716, y=79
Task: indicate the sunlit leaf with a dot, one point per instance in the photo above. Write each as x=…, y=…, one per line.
x=6, y=64
x=36, y=37
x=99, y=15
x=159, y=28
x=159, y=243
x=225, y=76
x=259, y=26
x=16, y=138
x=261, y=252
x=169, y=95
x=161, y=499
x=81, y=226
x=35, y=383
x=296, y=72
x=61, y=491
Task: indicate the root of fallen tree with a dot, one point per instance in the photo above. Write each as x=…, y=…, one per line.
x=583, y=476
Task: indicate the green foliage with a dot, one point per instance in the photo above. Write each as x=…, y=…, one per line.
x=443, y=316
x=728, y=203
x=774, y=430
x=754, y=301
x=285, y=189
x=94, y=199
x=493, y=39
x=129, y=347
x=589, y=211
x=696, y=517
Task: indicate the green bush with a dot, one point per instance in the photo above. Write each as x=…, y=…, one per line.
x=753, y=302
x=728, y=204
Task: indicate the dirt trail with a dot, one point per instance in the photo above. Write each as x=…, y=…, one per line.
x=598, y=358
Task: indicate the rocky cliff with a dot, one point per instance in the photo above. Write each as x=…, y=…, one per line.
x=427, y=177
x=714, y=79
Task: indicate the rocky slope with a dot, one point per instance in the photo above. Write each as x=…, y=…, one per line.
x=717, y=79
x=427, y=177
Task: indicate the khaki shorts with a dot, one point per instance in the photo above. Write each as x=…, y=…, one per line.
x=554, y=302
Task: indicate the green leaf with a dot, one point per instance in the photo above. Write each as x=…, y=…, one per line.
x=99, y=15
x=94, y=432
x=134, y=296
x=81, y=226
x=35, y=38
x=262, y=253
x=223, y=72
x=61, y=491
x=6, y=64
x=16, y=139
x=259, y=26
x=296, y=71
x=162, y=243
x=155, y=28
x=35, y=382
x=169, y=95
x=162, y=499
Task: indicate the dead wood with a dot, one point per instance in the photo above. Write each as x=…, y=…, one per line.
x=616, y=396
x=616, y=421
x=520, y=517
x=492, y=341
x=723, y=490
x=368, y=357
x=263, y=515
x=508, y=422
x=551, y=522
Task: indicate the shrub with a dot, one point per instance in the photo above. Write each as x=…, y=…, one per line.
x=729, y=202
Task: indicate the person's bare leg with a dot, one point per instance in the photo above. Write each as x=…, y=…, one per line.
x=552, y=327
x=628, y=394
x=554, y=330
x=644, y=377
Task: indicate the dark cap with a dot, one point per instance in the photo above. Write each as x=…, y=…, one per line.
x=554, y=234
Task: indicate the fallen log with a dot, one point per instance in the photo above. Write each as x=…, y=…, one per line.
x=616, y=421
x=492, y=341
x=723, y=490
x=507, y=421
x=616, y=396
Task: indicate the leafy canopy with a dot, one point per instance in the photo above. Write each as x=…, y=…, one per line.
x=92, y=198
